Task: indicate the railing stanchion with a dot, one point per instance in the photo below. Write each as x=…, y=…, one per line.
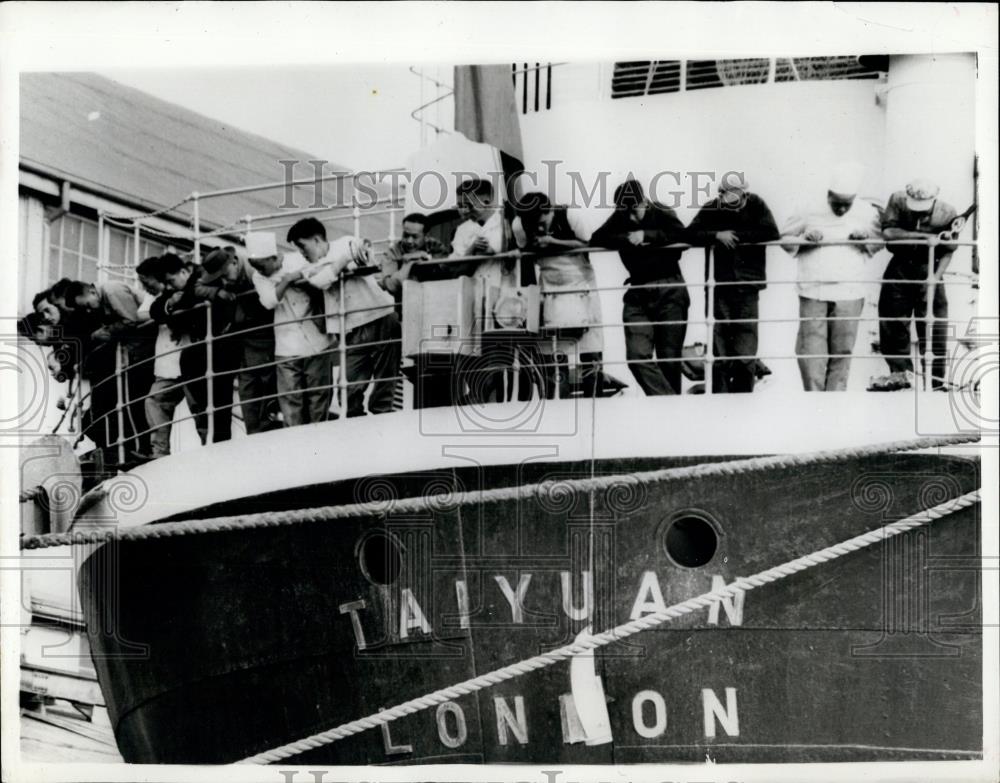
x=102, y=269
x=555, y=361
x=79, y=401
x=136, y=241
x=709, y=317
x=209, y=377
x=356, y=216
x=120, y=403
x=196, y=228
x=928, y=354
x=342, y=348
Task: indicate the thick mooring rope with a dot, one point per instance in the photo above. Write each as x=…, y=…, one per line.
x=740, y=585
x=436, y=503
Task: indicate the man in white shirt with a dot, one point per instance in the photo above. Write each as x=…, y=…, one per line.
x=301, y=348
x=369, y=320
x=486, y=233
x=167, y=390
x=832, y=280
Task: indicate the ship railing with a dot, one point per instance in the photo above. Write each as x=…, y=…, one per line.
x=116, y=416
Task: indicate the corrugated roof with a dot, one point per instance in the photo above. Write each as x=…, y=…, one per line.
x=126, y=144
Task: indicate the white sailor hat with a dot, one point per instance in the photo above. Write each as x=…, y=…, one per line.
x=260, y=244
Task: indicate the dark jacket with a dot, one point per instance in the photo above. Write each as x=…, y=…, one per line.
x=752, y=222
x=911, y=260
x=242, y=311
x=651, y=260
x=184, y=317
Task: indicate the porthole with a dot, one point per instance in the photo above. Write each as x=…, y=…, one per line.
x=691, y=540
x=380, y=557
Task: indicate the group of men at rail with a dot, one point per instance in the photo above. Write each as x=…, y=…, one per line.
x=278, y=323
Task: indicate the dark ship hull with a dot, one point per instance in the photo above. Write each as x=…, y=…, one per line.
x=223, y=645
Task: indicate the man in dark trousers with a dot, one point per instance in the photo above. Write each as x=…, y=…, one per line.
x=731, y=223
x=227, y=283
x=913, y=213
x=656, y=304
x=188, y=287
x=113, y=310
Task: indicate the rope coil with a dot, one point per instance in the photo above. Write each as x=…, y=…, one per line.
x=594, y=641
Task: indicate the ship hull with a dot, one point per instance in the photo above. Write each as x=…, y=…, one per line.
x=218, y=646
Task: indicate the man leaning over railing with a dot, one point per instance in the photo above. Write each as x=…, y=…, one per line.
x=112, y=309
x=731, y=223
x=410, y=258
x=301, y=348
x=184, y=312
x=913, y=213
x=831, y=279
x=485, y=232
x=167, y=390
x=657, y=301
x=357, y=311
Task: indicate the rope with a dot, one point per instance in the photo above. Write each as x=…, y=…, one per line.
x=623, y=631
x=425, y=503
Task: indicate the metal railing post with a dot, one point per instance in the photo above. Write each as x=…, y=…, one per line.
x=196, y=225
x=209, y=377
x=709, y=317
x=101, y=260
x=79, y=401
x=119, y=403
x=555, y=361
x=928, y=354
x=342, y=347
x=356, y=216
x=136, y=239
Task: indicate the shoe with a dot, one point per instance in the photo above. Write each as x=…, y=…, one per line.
x=894, y=381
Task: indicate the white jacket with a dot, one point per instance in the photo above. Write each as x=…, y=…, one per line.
x=364, y=300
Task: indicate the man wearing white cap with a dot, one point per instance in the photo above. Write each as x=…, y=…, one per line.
x=831, y=279
x=734, y=224
x=913, y=213
x=301, y=347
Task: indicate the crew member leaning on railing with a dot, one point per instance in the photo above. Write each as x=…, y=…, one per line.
x=55, y=326
x=370, y=326
x=228, y=285
x=301, y=348
x=409, y=258
x=167, y=390
x=732, y=223
x=178, y=307
x=656, y=304
x=831, y=279
x=257, y=380
x=571, y=308
x=485, y=232
x=913, y=213
x=112, y=309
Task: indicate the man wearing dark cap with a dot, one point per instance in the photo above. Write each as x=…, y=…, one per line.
x=656, y=304
x=188, y=287
x=731, y=224
x=227, y=282
x=913, y=213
